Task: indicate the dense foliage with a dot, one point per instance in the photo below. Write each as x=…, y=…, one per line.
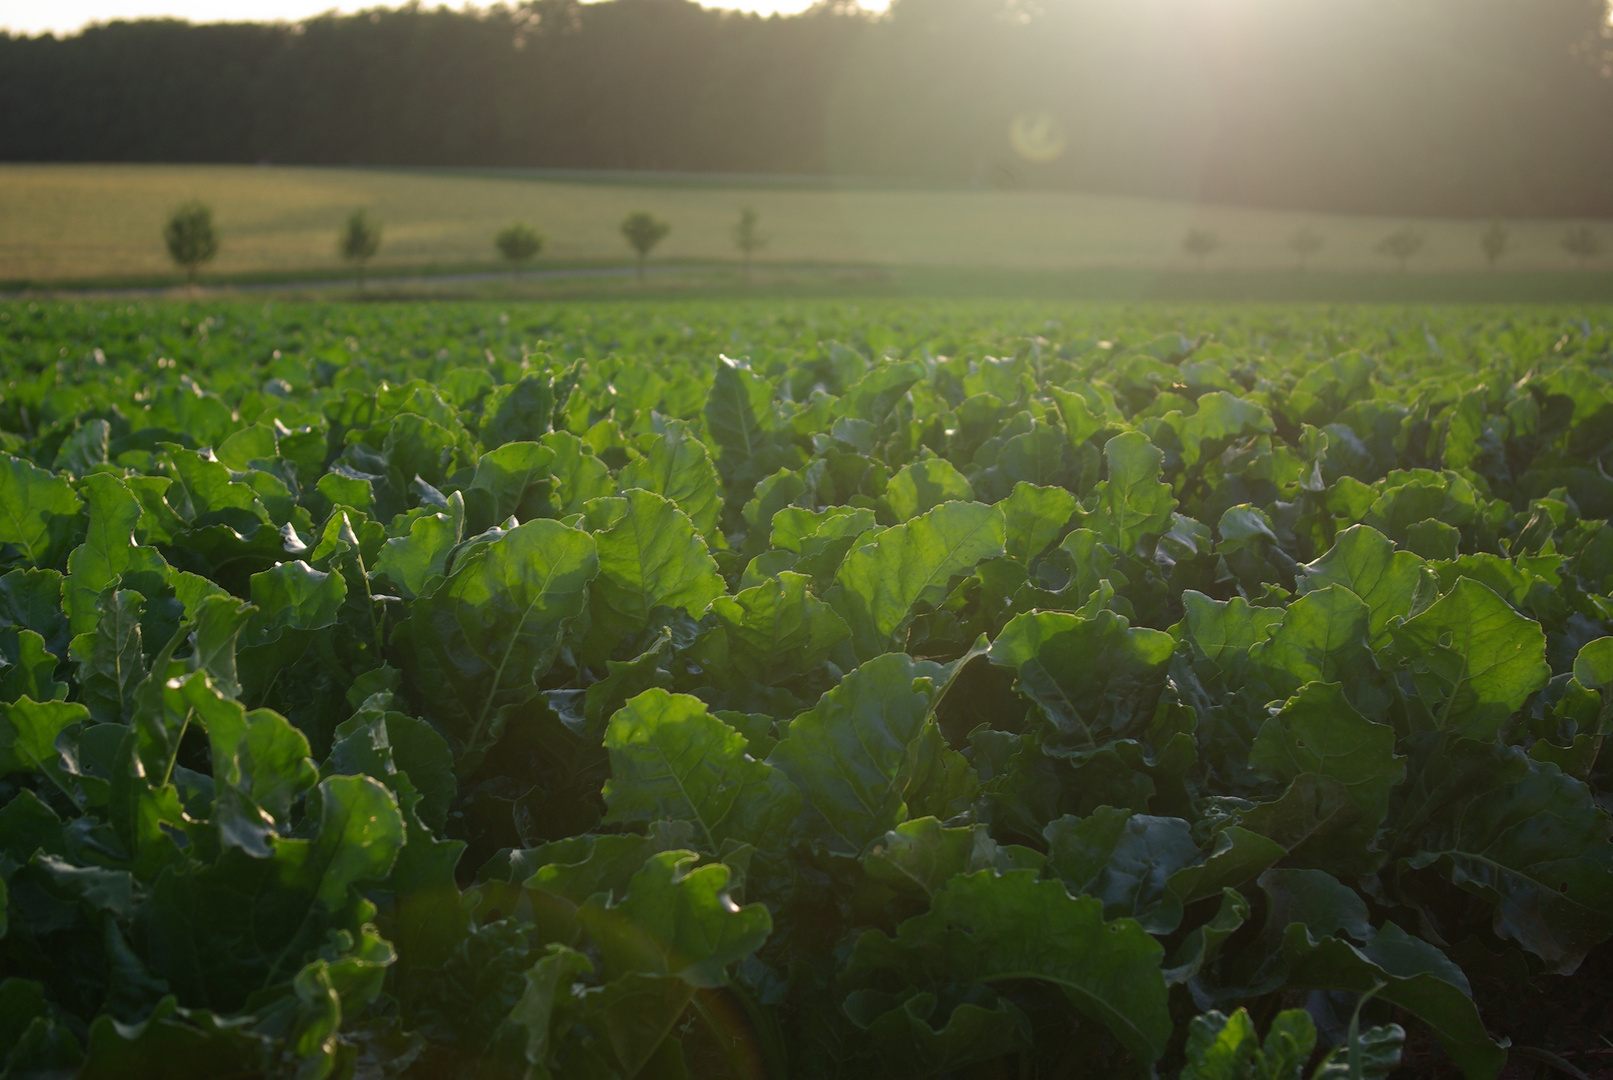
x=1471, y=107
x=693, y=690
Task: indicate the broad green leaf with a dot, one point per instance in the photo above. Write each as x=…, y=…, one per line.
x=739, y=411
x=548, y=990
x=218, y=621
x=85, y=448
x=260, y=764
x=1132, y=504
x=881, y=581
x=578, y=475
x=988, y=927
x=111, y=660
x=1034, y=457
x=650, y=556
x=28, y=733
x=170, y=1044
x=203, y=486
x=924, y=485
x=1593, y=664
x=32, y=599
x=775, y=630
x=1373, y=1054
x=1033, y=518
x=580, y=867
x=484, y=638
x=1527, y=839
x=1319, y=731
x=28, y=670
x=293, y=596
x=1367, y=563
x=411, y=563
x=1125, y=860
x=678, y=468
x=1228, y=1048
x=676, y=921
x=922, y=855
x=1203, y=945
x=1474, y=660
x=212, y=937
x=849, y=754
x=1322, y=637
x=670, y=758
x=873, y=396
x=525, y=413
x=794, y=527
x=981, y=1027
x=250, y=443
x=37, y=510
x=1219, y=417
x=1223, y=631
x=97, y=564
x=1096, y=678
x=359, y=836
x=510, y=481
x=1080, y=421
x=1317, y=936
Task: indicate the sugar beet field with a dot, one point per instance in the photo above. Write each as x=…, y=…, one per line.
x=805, y=690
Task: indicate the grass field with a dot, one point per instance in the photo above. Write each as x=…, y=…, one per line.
x=65, y=223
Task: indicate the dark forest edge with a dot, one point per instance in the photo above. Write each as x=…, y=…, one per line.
x=1446, y=107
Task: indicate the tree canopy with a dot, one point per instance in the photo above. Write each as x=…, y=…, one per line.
x=1499, y=108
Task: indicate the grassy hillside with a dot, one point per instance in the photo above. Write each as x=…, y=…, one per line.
x=77, y=222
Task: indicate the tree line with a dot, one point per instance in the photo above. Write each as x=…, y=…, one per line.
x=1448, y=107
x=193, y=239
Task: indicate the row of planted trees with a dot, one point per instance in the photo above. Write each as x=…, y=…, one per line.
x=1495, y=242
x=193, y=238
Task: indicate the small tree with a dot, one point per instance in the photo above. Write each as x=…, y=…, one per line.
x=643, y=230
x=747, y=238
x=359, y=240
x=1494, y=242
x=1201, y=243
x=1582, y=244
x=190, y=237
x=1401, y=245
x=518, y=242
x=1305, y=243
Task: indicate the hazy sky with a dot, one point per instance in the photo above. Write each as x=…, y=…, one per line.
x=65, y=16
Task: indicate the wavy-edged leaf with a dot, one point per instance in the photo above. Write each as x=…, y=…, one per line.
x=650, y=556
x=1033, y=517
x=880, y=582
x=1096, y=678
x=37, y=510
x=1133, y=504
x=1474, y=659
x=678, y=468
x=1524, y=836
x=924, y=485
x=849, y=754
x=483, y=639
x=775, y=631
x=1367, y=563
x=670, y=758
x=988, y=927
x=1319, y=731
x=676, y=921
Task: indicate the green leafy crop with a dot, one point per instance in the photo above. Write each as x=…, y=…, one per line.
x=711, y=690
